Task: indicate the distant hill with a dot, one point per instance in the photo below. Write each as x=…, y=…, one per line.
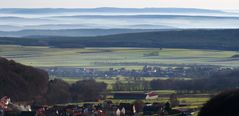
x=104, y=9
x=18, y=19
x=224, y=39
x=147, y=16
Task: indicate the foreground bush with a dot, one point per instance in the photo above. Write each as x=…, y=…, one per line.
x=224, y=104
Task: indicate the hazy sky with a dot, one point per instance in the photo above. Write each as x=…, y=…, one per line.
x=208, y=4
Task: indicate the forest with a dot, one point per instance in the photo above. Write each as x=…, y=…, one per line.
x=220, y=39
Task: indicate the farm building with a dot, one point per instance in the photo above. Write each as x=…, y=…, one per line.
x=150, y=95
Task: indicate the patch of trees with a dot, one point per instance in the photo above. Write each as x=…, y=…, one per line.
x=224, y=39
x=218, y=82
x=29, y=84
x=58, y=92
x=86, y=90
x=134, y=84
x=235, y=56
x=223, y=104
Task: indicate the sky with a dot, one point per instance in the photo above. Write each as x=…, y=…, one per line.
x=206, y=4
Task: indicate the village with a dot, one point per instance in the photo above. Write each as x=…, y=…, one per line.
x=171, y=71
x=102, y=108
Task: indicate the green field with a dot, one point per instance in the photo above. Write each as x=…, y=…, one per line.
x=112, y=80
x=130, y=58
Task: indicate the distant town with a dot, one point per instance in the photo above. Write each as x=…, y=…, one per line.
x=170, y=71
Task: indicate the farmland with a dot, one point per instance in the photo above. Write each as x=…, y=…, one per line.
x=130, y=58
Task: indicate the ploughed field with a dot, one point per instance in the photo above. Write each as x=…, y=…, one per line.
x=129, y=58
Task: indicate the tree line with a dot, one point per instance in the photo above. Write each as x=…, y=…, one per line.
x=222, y=39
x=139, y=85
x=219, y=81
